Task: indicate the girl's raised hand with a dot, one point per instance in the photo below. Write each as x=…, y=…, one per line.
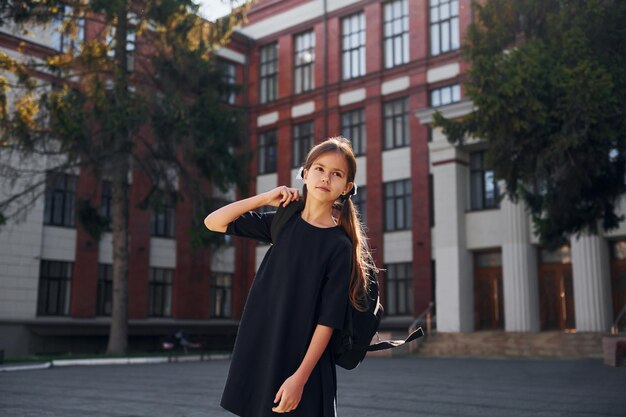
x=282, y=194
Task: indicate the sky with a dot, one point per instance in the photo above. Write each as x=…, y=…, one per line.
x=212, y=9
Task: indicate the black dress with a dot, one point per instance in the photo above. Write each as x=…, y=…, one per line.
x=303, y=281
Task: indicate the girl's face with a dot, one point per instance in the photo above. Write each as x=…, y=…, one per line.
x=327, y=178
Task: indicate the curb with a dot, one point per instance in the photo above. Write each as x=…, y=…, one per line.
x=113, y=361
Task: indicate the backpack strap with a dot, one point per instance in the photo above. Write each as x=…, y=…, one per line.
x=283, y=214
x=389, y=344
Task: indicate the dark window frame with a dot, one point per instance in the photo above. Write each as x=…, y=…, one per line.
x=229, y=75
x=448, y=26
x=360, y=202
x=106, y=203
x=397, y=196
x=479, y=199
x=395, y=33
x=445, y=95
x=60, y=197
x=392, y=136
x=303, y=70
x=55, y=288
x=163, y=219
x=267, y=163
x=104, y=304
x=160, y=285
x=399, y=275
x=268, y=73
x=353, y=127
x=302, y=134
x=224, y=291
x=353, y=38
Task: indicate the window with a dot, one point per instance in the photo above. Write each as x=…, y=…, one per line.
x=445, y=95
x=104, y=304
x=269, y=73
x=444, y=26
x=353, y=46
x=67, y=42
x=60, y=203
x=267, y=152
x=162, y=221
x=221, y=294
x=399, y=289
x=359, y=202
x=483, y=187
x=304, y=60
x=131, y=40
x=228, y=71
x=160, y=292
x=106, y=203
x=398, y=205
x=302, y=142
x=396, y=35
x=353, y=128
x=396, y=115
x=55, y=280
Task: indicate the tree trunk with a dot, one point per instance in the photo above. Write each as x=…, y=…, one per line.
x=118, y=335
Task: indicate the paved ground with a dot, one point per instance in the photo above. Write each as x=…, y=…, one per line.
x=394, y=387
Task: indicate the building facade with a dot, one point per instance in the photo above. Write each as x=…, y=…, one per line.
x=373, y=71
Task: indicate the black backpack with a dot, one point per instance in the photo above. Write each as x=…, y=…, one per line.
x=350, y=344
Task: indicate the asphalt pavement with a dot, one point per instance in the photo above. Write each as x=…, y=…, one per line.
x=394, y=387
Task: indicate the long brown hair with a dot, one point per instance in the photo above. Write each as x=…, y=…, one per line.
x=348, y=220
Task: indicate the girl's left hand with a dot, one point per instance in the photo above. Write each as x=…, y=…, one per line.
x=289, y=394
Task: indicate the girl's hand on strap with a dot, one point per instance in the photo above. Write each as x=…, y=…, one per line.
x=289, y=394
x=282, y=194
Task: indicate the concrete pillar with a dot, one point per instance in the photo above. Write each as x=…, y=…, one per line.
x=519, y=271
x=592, y=283
x=454, y=294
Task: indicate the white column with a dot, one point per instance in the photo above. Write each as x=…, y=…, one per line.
x=454, y=265
x=592, y=283
x=519, y=271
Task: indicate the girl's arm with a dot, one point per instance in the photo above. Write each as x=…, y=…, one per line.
x=218, y=220
x=290, y=393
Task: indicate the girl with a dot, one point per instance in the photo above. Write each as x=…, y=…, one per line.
x=282, y=362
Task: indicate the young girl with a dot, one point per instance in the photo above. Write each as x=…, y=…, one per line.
x=282, y=362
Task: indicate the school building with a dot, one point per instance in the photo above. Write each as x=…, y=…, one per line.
x=373, y=71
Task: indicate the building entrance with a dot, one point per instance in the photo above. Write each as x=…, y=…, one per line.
x=618, y=275
x=556, y=290
x=488, y=298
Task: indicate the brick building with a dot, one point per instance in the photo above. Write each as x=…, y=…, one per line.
x=373, y=71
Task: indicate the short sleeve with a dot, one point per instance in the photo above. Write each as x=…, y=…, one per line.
x=252, y=225
x=334, y=295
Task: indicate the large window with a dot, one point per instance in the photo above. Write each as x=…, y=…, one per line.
x=55, y=282
x=396, y=33
x=353, y=128
x=353, y=46
x=359, y=200
x=445, y=95
x=269, y=73
x=228, y=70
x=302, y=142
x=60, y=203
x=399, y=289
x=160, y=292
x=267, y=152
x=162, y=221
x=397, y=205
x=221, y=294
x=66, y=42
x=304, y=60
x=396, y=116
x=444, y=26
x=105, y=290
x=483, y=186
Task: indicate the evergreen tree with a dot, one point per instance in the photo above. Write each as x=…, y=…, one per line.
x=548, y=83
x=140, y=93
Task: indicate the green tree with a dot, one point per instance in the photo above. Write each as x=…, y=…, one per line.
x=140, y=93
x=548, y=83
